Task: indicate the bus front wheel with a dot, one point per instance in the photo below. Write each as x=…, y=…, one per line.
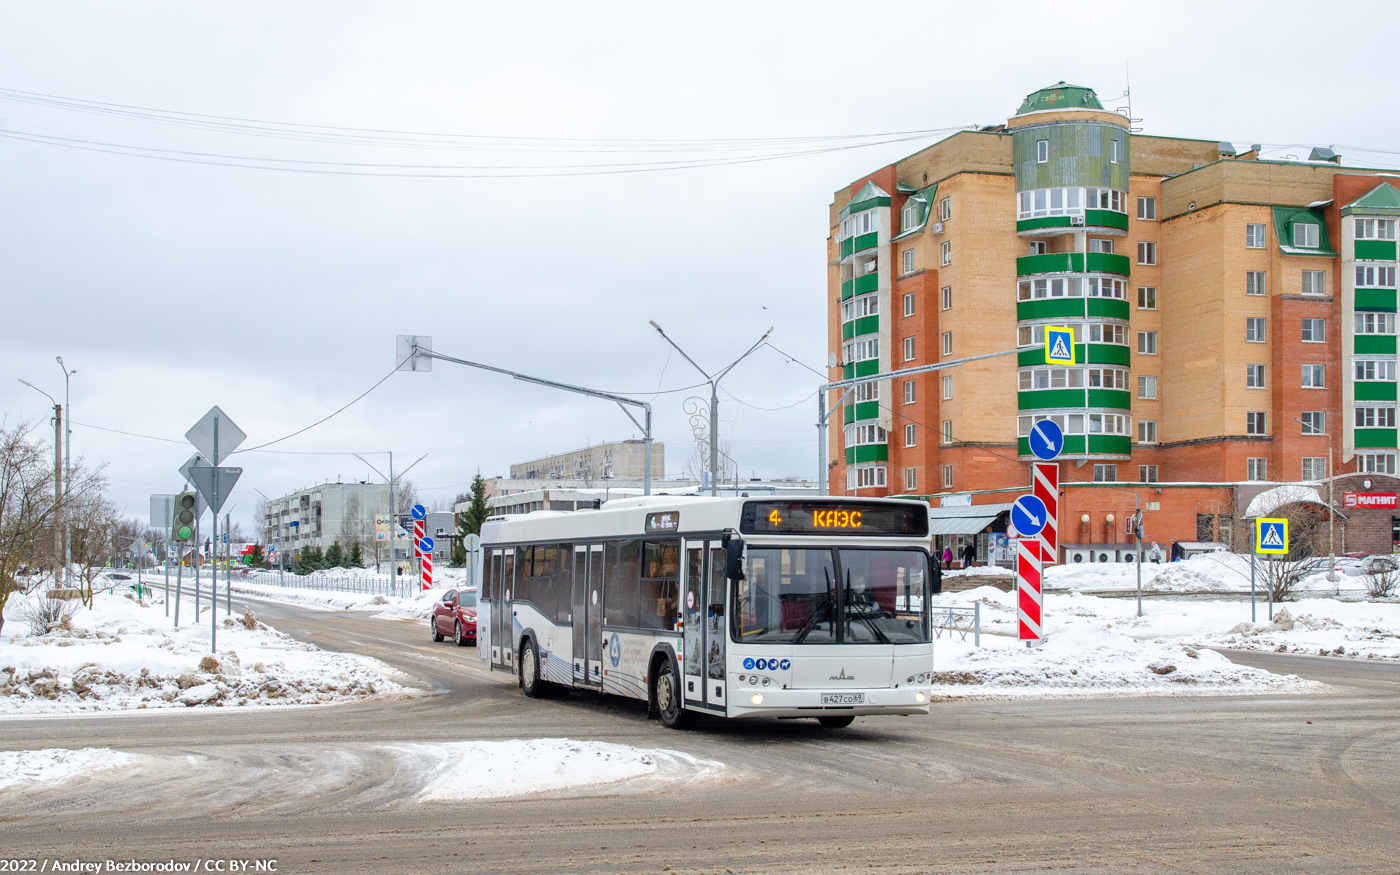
x=668, y=700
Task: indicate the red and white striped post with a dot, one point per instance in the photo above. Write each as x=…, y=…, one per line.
x=1045, y=485
x=1028, y=594
x=427, y=572
x=420, y=528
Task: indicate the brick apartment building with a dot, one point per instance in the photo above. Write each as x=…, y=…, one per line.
x=1234, y=321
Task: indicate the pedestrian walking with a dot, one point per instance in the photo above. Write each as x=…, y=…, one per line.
x=947, y=558
x=969, y=554
x=1156, y=553
x=1177, y=552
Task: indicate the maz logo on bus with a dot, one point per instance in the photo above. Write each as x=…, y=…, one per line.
x=826, y=519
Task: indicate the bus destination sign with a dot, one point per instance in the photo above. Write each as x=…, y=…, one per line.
x=664, y=523
x=905, y=519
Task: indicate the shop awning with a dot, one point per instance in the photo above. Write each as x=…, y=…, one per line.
x=963, y=520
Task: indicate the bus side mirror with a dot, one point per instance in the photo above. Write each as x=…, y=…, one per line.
x=733, y=558
x=935, y=585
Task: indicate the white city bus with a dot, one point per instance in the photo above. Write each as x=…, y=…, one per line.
x=740, y=607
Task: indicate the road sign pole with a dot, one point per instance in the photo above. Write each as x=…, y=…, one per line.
x=179, y=582
x=214, y=552
x=1253, y=613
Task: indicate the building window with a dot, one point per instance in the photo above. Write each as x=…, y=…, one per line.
x=911, y=479
x=1254, y=282
x=947, y=431
x=861, y=350
x=947, y=252
x=947, y=388
x=865, y=475
x=1112, y=151
x=1042, y=151
x=1147, y=387
x=1314, y=467
x=1147, y=473
x=948, y=476
x=1147, y=209
x=908, y=261
x=1375, y=417
x=945, y=209
x=862, y=305
x=947, y=296
x=947, y=343
x=1254, y=236
x=1375, y=323
x=1375, y=463
x=1105, y=473
x=908, y=349
x=1147, y=431
x=1372, y=275
x=867, y=391
x=1305, y=235
x=1254, y=377
x=1313, y=422
x=908, y=216
x=1037, y=247
x=1314, y=282
x=909, y=439
x=1104, y=246
x=1254, y=329
x=1147, y=252
x=1147, y=297
x=1314, y=376
x=908, y=391
x=1256, y=469
x=1314, y=330
x=1147, y=342
x=1375, y=370
x=1375, y=229
x=909, y=304
x=1254, y=423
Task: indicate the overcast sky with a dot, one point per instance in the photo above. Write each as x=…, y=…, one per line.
x=277, y=295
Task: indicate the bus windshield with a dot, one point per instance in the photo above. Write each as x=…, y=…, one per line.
x=832, y=596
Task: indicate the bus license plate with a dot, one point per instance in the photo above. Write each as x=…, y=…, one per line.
x=843, y=698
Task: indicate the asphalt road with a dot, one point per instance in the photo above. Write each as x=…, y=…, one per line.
x=1262, y=784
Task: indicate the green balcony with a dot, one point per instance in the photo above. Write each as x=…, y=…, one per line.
x=1110, y=445
x=1375, y=344
x=857, y=327
x=1116, y=399
x=1375, y=438
x=1375, y=250
x=860, y=411
x=867, y=453
x=1073, y=262
x=1110, y=308
x=1107, y=354
x=1374, y=391
x=1074, y=446
x=1376, y=299
x=1045, y=399
x=1050, y=308
x=847, y=246
x=865, y=241
x=861, y=369
x=861, y=285
x=1092, y=219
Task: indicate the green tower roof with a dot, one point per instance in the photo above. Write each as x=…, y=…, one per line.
x=1382, y=200
x=1060, y=96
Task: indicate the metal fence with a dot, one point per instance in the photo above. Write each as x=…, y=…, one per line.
x=958, y=622
x=368, y=584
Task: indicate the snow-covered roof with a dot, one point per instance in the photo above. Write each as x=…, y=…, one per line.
x=1270, y=500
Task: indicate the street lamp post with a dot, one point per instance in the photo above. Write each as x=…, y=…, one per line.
x=714, y=397
x=57, y=468
x=393, y=511
x=67, y=465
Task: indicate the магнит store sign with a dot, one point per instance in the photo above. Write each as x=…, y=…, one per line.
x=1370, y=499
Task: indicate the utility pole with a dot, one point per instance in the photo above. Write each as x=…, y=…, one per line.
x=393, y=510
x=714, y=398
x=68, y=466
x=57, y=470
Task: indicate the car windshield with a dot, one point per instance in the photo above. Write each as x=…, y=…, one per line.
x=467, y=599
x=791, y=596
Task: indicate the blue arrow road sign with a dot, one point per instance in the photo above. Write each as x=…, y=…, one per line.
x=1046, y=440
x=419, y=512
x=1028, y=515
x=426, y=545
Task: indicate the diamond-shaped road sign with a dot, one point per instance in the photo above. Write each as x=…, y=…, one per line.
x=203, y=432
x=203, y=478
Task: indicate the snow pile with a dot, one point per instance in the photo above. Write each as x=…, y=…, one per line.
x=53, y=765
x=494, y=769
x=1206, y=573
x=1083, y=656
x=417, y=607
x=123, y=654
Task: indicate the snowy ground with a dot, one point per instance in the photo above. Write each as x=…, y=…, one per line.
x=304, y=591
x=54, y=765
x=1207, y=573
x=124, y=654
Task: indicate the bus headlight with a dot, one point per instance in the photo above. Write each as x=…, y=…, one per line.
x=756, y=698
x=767, y=681
x=920, y=697
x=753, y=679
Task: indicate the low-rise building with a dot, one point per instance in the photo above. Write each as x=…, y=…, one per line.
x=614, y=460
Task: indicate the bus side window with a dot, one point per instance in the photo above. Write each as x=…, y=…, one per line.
x=620, y=584
x=660, y=570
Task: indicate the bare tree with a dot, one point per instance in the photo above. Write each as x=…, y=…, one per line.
x=27, y=506
x=1307, y=551
x=352, y=526
x=407, y=495
x=93, y=523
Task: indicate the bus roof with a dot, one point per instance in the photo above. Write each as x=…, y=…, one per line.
x=627, y=517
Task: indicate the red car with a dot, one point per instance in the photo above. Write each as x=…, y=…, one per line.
x=455, y=615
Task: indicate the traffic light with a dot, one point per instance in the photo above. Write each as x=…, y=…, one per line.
x=182, y=527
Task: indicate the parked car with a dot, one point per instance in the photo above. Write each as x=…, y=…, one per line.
x=455, y=615
x=1354, y=565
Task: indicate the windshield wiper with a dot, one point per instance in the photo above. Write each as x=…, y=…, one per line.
x=817, y=608
x=880, y=636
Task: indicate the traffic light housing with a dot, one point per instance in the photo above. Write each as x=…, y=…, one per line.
x=182, y=526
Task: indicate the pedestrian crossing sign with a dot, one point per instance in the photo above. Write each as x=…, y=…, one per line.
x=1271, y=536
x=1059, y=346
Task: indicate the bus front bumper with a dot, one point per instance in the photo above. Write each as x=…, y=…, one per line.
x=779, y=702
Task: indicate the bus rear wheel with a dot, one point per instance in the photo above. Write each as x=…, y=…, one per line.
x=836, y=722
x=668, y=700
x=530, y=671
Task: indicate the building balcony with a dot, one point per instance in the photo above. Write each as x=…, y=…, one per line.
x=1102, y=221
x=1097, y=445
x=860, y=243
x=1374, y=438
x=867, y=453
x=860, y=285
x=1052, y=399
x=1073, y=262
x=1375, y=250
x=862, y=410
x=1073, y=308
x=1084, y=354
x=867, y=368
x=1375, y=344
x=857, y=327
x=1376, y=299
x=1374, y=391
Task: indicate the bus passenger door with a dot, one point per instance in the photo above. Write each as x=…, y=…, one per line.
x=594, y=609
x=579, y=615
x=693, y=610
x=501, y=629
x=493, y=588
x=716, y=630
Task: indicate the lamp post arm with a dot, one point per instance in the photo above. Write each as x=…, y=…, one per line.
x=677, y=348
x=750, y=351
